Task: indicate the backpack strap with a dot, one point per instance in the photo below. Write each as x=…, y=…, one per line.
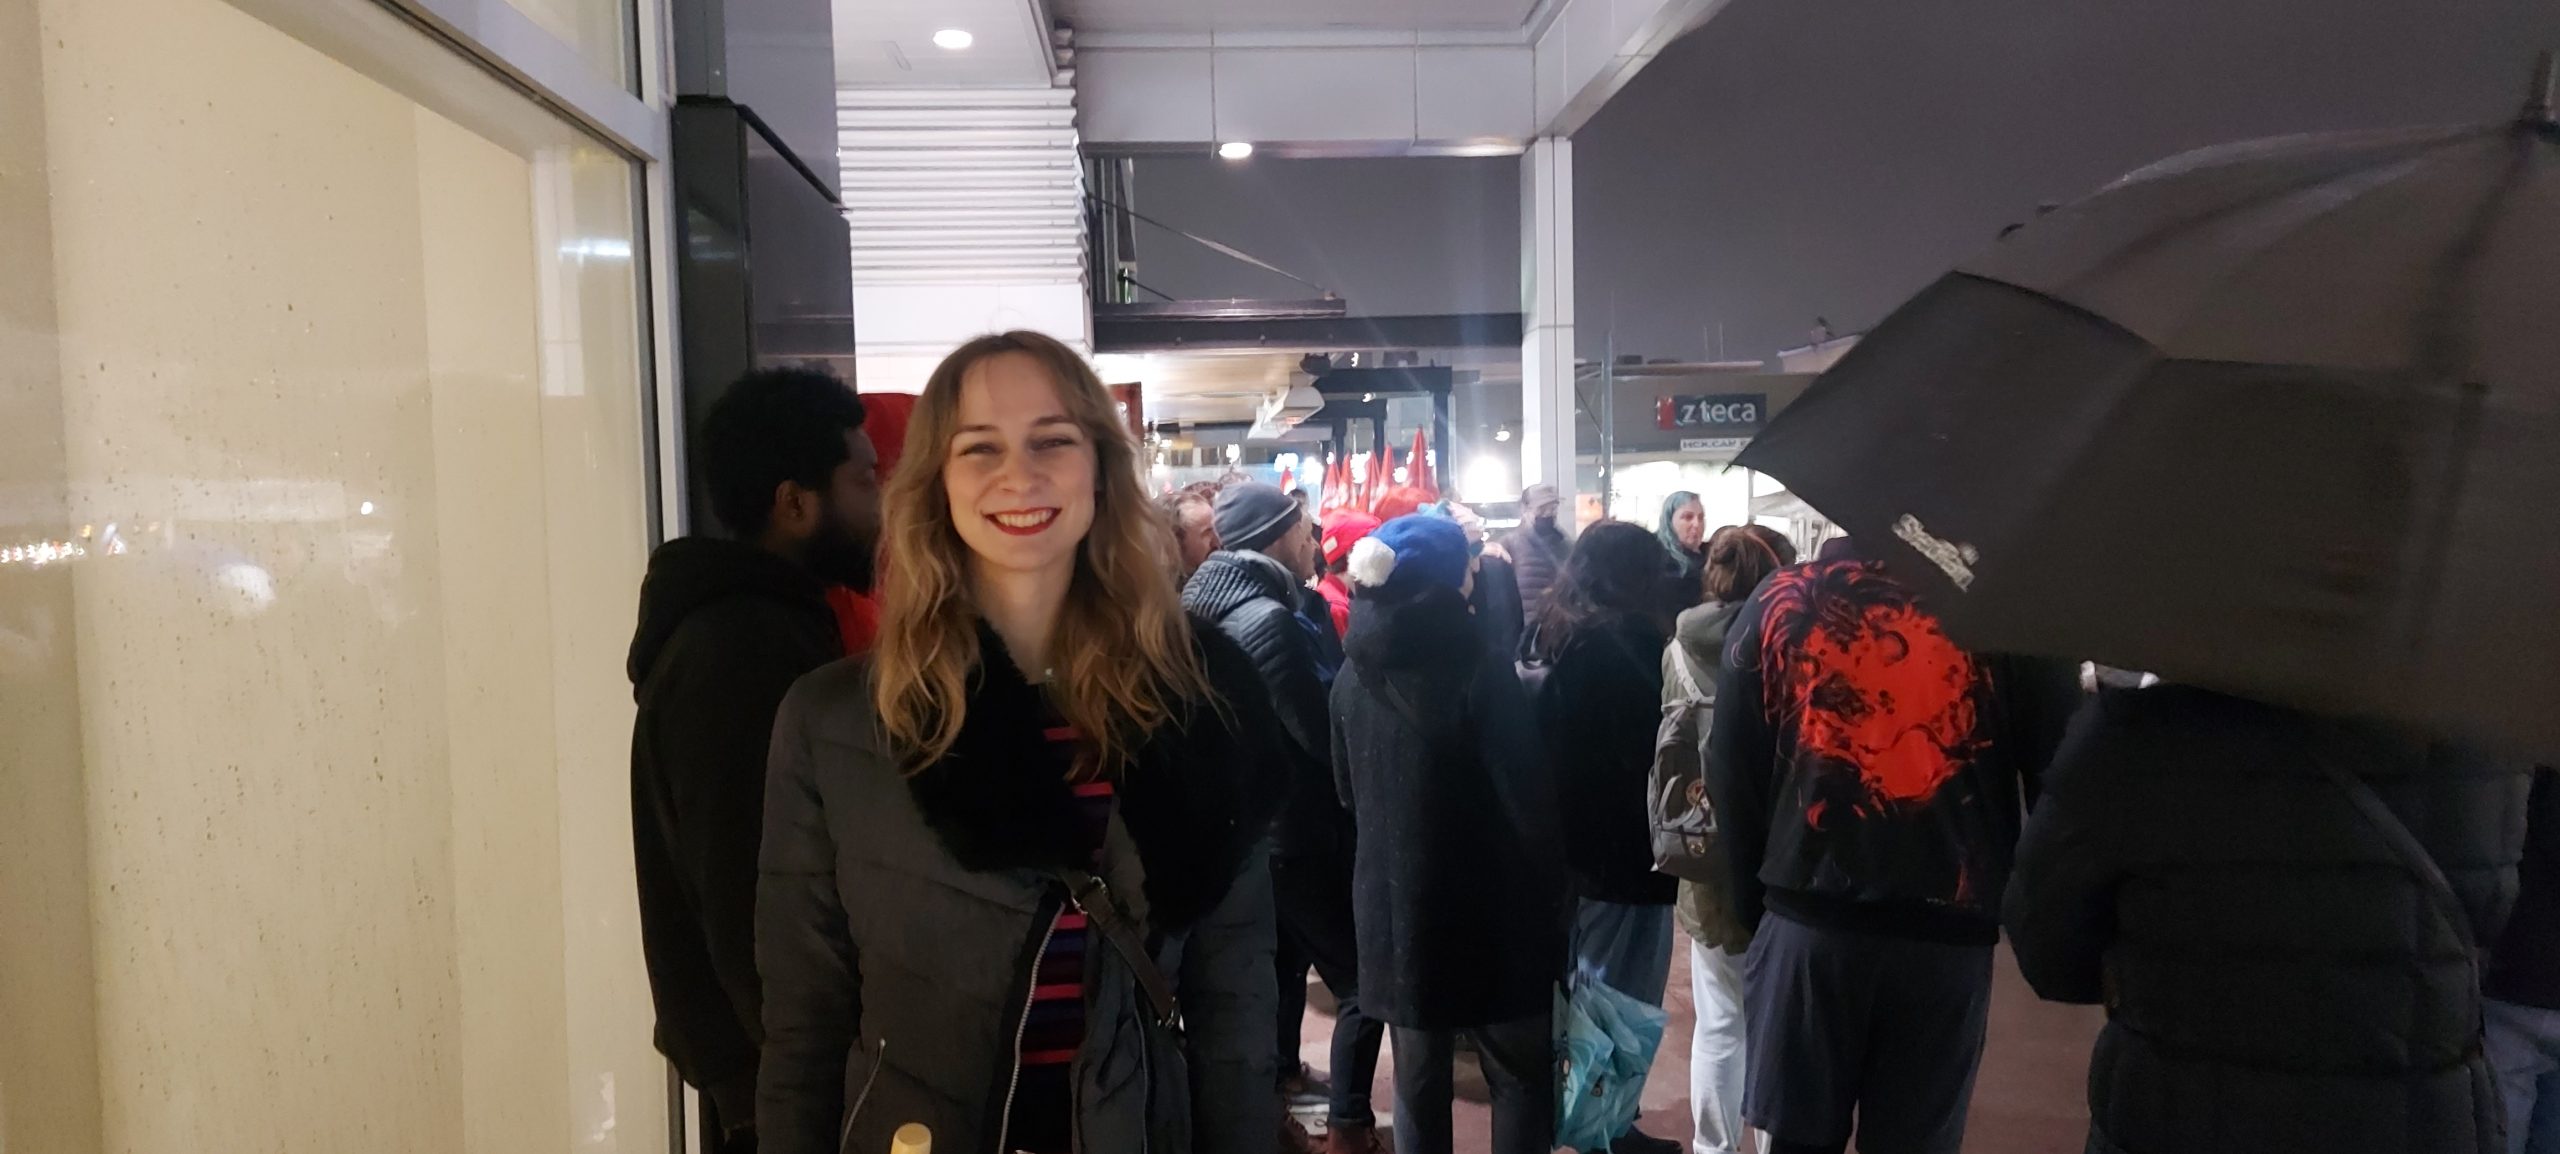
x=1103, y=912
x=1688, y=673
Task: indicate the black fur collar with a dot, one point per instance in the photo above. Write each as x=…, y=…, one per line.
x=997, y=802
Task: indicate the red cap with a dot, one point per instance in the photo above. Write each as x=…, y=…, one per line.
x=1343, y=528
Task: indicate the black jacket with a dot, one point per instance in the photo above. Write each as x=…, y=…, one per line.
x=1252, y=600
x=901, y=917
x=725, y=628
x=1500, y=612
x=1459, y=888
x=1601, y=710
x=2276, y=980
x=1539, y=556
x=2525, y=966
x=1867, y=772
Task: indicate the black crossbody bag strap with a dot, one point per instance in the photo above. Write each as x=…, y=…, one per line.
x=2412, y=853
x=1104, y=913
x=1398, y=700
x=2422, y=865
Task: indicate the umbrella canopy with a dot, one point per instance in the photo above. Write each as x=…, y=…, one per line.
x=2280, y=418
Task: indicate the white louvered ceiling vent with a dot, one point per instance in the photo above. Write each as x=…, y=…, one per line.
x=975, y=185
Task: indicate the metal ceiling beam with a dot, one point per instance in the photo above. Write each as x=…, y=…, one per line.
x=1307, y=334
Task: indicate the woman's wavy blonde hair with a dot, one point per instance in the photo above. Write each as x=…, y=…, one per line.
x=1123, y=657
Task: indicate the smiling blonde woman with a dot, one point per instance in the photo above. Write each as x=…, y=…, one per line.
x=1012, y=884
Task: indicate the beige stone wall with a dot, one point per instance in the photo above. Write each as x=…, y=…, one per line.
x=314, y=831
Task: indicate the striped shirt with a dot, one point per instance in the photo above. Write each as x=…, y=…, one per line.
x=1053, y=1028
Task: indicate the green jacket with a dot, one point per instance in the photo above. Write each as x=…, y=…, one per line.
x=1705, y=909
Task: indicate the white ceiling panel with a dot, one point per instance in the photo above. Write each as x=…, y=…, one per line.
x=889, y=43
x=1143, y=16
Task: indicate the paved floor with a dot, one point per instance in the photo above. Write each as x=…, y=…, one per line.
x=2029, y=1098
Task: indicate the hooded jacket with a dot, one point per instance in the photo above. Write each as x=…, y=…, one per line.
x=1868, y=773
x=1705, y=908
x=1459, y=888
x=901, y=918
x=2277, y=980
x=1692, y=562
x=1252, y=600
x=725, y=628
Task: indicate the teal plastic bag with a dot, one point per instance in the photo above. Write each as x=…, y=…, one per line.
x=1605, y=1044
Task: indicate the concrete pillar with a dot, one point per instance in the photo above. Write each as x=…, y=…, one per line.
x=1546, y=304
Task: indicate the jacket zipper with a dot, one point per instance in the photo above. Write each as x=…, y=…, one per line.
x=1022, y=1028
x=879, y=1058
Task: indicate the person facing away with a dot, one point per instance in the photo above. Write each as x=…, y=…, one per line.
x=1868, y=774
x=1738, y=559
x=1496, y=599
x=1459, y=886
x=2523, y=983
x=2278, y=978
x=1010, y=886
x=1254, y=591
x=1601, y=633
x=1342, y=529
x=1538, y=547
x=726, y=625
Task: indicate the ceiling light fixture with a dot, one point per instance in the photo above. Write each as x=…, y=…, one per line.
x=953, y=39
x=1235, y=150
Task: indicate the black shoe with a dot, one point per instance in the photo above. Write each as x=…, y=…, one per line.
x=1636, y=1141
x=1301, y=1087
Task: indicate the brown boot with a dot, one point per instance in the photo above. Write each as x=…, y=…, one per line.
x=1353, y=1138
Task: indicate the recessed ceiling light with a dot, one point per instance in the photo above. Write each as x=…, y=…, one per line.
x=1235, y=150
x=953, y=39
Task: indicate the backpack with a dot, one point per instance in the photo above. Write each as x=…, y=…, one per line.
x=1677, y=812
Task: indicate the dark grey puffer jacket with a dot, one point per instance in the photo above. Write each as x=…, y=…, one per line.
x=1255, y=603
x=900, y=918
x=2276, y=979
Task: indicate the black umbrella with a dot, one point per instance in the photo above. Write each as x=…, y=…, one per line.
x=2280, y=418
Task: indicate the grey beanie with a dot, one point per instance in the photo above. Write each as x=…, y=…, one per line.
x=1250, y=515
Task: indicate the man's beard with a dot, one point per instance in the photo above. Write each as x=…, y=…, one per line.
x=836, y=556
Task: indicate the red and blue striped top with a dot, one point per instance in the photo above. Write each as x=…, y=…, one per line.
x=1053, y=1028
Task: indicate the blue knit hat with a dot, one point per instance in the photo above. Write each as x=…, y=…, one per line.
x=1410, y=552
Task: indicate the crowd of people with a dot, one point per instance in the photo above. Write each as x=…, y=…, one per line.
x=1047, y=865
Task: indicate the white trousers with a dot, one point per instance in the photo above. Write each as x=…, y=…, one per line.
x=1716, y=1054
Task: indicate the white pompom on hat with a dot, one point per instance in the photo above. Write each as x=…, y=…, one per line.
x=1372, y=562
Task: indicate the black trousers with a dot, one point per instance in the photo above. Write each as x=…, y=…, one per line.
x=715, y=1139
x=1314, y=898
x=1519, y=1068
x=1883, y=1033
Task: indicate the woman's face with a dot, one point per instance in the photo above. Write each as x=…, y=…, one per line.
x=1019, y=471
x=1689, y=524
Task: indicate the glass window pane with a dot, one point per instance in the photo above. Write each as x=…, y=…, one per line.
x=600, y=30
x=323, y=510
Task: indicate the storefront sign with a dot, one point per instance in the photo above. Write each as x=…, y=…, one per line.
x=1725, y=413
x=1713, y=444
